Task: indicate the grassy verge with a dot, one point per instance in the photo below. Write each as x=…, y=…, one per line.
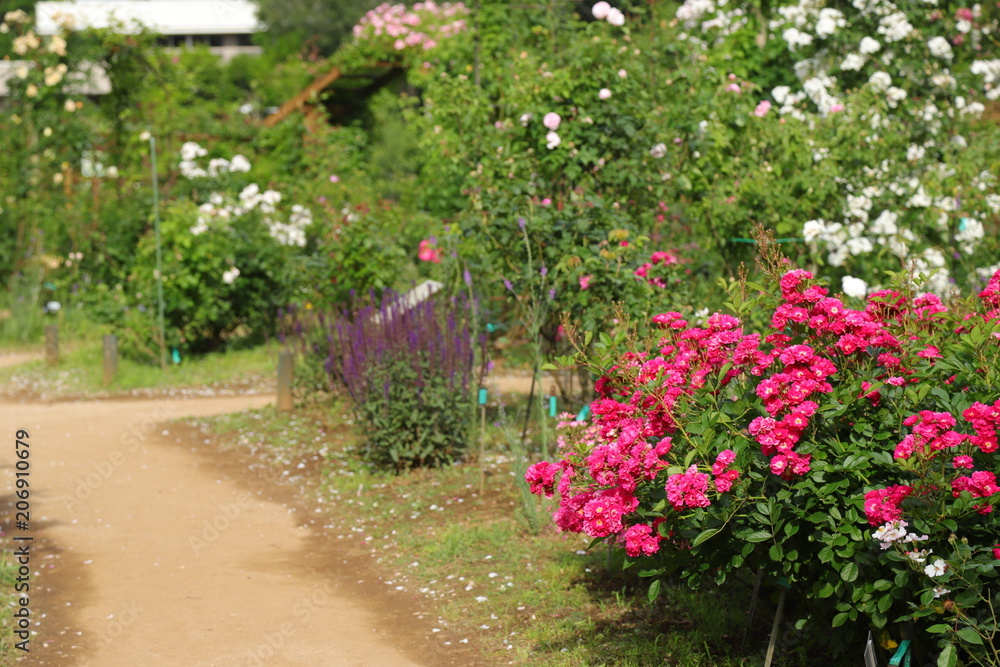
x=8, y=571
x=520, y=597
x=81, y=372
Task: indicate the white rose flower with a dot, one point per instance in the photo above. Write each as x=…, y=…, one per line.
x=239, y=164
x=880, y=81
x=813, y=229
x=935, y=569
x=855, y=287
x=940, y=48
x=853, y=62
x=869, y=45
x=616, y=17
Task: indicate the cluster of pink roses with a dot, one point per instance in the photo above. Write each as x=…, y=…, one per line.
x=423, y=27
x=428, y=251
x=662, y=259
x=933, y=432
x=614, y=464
x=627, y=444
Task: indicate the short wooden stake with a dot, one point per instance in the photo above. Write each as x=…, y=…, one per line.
x=285, y=373
x=775, y=629
x=110, y=359
x=52, y=345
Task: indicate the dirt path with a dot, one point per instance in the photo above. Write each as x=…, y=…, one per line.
x=145, y=554
x=17, y=358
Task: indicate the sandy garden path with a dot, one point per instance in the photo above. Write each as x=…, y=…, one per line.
x=146, y=552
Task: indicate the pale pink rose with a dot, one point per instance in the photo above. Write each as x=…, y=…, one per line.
x=552, y=120
x=604, y=94
x=733, y=88
x=600, y=10
x=762, y=109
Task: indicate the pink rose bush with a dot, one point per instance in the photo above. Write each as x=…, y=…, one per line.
x=780, y=436
x=418, y=29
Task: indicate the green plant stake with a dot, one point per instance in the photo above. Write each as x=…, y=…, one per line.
x=552, y=406
x=482, y=440
x=159, y=255
x=901, y=658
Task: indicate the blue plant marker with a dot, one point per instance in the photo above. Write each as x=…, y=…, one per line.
x=490, y=327
x=176, y=356
x=962, y=224
x=902, y=655
x=482, y=396
x=552, y=406
x=584, y=413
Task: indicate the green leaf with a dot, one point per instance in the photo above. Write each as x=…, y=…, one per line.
x=758, y=536
x=948, y=657
x=969, y=636
x=654, y=591
x=849, y=572
x=839, y=619
x=705, y=535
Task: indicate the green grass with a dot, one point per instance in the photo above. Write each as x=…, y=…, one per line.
x=8, y=571
x=536, y=599
x=81, y=371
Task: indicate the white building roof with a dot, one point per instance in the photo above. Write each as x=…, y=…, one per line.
x=168, y=17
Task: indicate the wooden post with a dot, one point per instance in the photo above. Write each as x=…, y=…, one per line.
x=110, y=359
x=52, y=345
x=285, y=373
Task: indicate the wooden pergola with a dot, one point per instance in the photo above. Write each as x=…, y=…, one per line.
x=361, y=82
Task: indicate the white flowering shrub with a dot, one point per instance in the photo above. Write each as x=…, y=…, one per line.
x=229, y=263
x=886, y=100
